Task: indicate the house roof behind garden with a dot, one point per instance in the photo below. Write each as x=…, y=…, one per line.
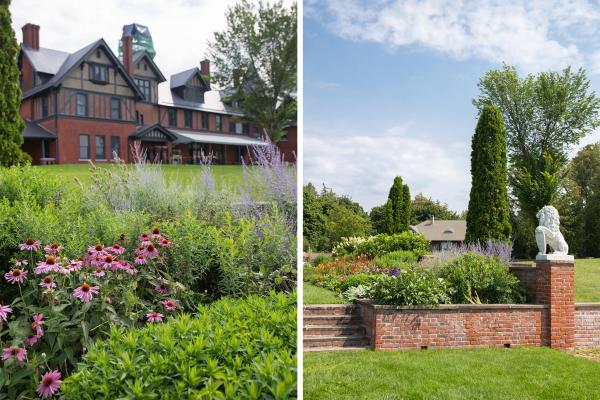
x=442, y=230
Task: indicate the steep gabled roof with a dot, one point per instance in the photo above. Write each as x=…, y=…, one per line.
x=74, y=60
x=144, y=132
x=44, y=60
x=140, y=55
x=181, y=78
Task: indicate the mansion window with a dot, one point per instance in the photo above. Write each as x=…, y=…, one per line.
x=100, y=148
x=187, y=116
x=98, y=73
x=172, y=114
x=205, y=121
x=231, y=127
x=144, y=86
x=245, y=128
x=44, y=106
x=115, y=146
x=115, y=108
x=81, y=104
x=218, y=123
x=84, y=147
x=256, y=131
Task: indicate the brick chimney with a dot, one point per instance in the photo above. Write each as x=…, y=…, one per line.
x=128, y=53
x=31, y=36
x=205, y=70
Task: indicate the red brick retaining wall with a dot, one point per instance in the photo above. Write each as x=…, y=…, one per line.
x=587, y=325
x=456, y=326
x=555, y=320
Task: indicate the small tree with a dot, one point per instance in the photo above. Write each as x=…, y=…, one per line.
x=397, y=208
x=488, y=215
x=256, y=59
x=11, y=123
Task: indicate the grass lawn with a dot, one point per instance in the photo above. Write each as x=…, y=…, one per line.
x=518, y=373
x=587, y=280
x=318, y=295
x=229, y=174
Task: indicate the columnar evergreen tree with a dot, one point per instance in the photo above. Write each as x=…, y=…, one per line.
x=488, y=215
x=11, y=123
x=397, y=208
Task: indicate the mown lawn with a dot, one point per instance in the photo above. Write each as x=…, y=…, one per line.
x=587, y=280
x=229, y=174
x=318, y=295
x=518, y=373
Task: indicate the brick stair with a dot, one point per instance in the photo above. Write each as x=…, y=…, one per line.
x=333, y=327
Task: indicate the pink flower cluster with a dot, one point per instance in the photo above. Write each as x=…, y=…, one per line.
x=98, y=261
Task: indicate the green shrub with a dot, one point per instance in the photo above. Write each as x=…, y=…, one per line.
x=411, y=286
x=395, y=259
x=476, y=278
x=242, y=349
x=320, y=259
x=379, y=245
x=353, y=281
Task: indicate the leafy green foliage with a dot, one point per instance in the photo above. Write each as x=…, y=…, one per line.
x=543, y=115
x=476, y=278
x=397, y=208
x=412, y=286
x=396, y=259
x=488, y=212
x=422, y=208
x=255, y=58
x=328, y=218
x=378, y=245
x=230, y=349
x=579, y=203
x=11, y=123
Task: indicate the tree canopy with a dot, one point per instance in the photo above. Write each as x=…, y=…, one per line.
x=11, y=123
x=256, y=61
x=328, y=217
x=544, y=115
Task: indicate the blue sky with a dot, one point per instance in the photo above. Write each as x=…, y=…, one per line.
x=388, y=85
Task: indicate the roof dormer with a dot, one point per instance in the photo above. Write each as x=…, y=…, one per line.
x=189, y=85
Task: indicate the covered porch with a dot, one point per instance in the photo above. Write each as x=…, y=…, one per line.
x=155, y=142
x=196, y=147
x=40, y=143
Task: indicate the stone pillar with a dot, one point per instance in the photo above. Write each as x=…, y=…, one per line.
x=555, y=287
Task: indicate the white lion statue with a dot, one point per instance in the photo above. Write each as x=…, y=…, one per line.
x=548, y=232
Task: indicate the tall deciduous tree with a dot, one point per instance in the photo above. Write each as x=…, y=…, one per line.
x=11, y=123
x=397, y=208
x=488, y=215
x=544, y=115
x=256, y=61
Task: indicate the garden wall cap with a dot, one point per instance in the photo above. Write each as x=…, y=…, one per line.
x=459, y=307
x=555, y=257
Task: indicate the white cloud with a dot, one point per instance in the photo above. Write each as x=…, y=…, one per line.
x=180, y=29
x=364, y=166
x=534, y=35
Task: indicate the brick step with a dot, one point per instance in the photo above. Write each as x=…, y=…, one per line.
x=330, y=309
x=330, y=348
x=334, y=330
x=336, y=341
x=332, y=319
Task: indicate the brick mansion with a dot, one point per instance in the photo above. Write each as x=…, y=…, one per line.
x=91, y=105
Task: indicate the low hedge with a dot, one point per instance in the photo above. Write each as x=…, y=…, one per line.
x=375, y=246
x=231, y=349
